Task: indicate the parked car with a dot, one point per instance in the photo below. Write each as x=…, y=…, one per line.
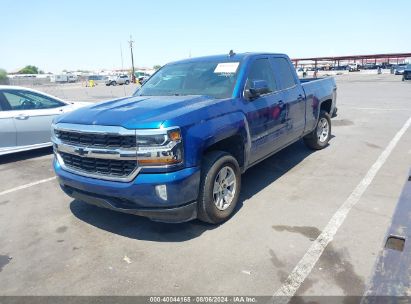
x=370, y=66
x=300, y=72
x=353, y=67
x=407, y=73
x=399, y=69
x=115, y=80
x=176, y=149
x=26, y=116
x=143, y=79
x=341, y=68
x=95, y=77
x=72, y=78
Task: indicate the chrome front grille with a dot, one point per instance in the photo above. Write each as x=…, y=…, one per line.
x=102, y=152
x=110, y=167
x=95, y=139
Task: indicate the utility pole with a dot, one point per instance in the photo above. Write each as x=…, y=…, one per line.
x=133, y=76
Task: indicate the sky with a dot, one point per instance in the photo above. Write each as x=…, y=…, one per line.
x=91, y=35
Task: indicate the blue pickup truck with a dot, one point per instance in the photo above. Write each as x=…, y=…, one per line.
x=176, y=149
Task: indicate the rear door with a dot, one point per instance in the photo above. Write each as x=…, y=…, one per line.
x=32, y=115
x=293, y=97
x=266, y=115
x=8, y=137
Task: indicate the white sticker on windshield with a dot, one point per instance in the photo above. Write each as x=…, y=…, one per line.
x=226, y=67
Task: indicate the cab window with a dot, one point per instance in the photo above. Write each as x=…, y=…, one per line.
x=285, y=72
x=261, y=70
x=25, y=100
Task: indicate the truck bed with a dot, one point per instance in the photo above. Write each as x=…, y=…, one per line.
x=320, y=87
x=317, y=90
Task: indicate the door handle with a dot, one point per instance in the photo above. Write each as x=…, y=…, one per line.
x=300, y=97
x=22, y=117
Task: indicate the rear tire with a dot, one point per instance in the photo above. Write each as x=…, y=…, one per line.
x=318, y=139
x=127, y=82
x=113, y=83
x=219, y=187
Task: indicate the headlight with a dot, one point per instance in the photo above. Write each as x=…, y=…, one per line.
x=159, y=147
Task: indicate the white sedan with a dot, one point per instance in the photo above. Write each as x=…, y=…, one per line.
x=26, y=116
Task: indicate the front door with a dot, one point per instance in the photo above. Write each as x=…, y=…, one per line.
x=32, y=115
x=8, y=137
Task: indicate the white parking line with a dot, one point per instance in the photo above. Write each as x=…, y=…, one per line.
x=379, y=109
x=27, y=185
x=308, y=261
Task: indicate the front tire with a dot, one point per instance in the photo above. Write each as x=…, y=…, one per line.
x=127, y=82
x=113, y=83
x=318, y=139
x=219, y=188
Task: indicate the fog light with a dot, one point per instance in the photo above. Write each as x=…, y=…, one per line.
x=161, y=191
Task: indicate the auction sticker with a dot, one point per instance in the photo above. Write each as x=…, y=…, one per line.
x=226, y=67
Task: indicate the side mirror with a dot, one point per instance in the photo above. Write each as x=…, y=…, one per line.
x=256, y=89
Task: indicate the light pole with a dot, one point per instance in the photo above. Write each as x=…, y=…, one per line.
x=133, y=76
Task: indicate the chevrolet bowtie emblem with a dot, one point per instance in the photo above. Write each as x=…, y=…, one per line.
x=81, y=151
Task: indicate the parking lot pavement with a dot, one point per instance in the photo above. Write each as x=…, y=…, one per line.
x=52, y=245
x=79, y=92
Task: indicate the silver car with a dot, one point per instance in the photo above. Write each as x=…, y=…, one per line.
x=115, y=80
x=26, y=116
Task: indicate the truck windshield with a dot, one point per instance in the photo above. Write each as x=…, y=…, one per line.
x=211, y=78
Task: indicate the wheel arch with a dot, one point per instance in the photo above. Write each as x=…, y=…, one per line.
x=326, y=106
x=233, y=145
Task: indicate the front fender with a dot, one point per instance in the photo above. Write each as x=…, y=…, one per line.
x=208, y=132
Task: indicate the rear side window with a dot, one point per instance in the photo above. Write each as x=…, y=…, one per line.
x=285, y=73
x=261, y=70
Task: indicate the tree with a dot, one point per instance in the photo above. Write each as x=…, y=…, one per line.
x=3, y=75
x=29, y=69
x=156, y=67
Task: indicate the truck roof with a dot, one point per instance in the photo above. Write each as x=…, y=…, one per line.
x=225, y=57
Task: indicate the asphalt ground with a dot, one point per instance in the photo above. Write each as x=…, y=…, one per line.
x=52, y=245
x=79, y=92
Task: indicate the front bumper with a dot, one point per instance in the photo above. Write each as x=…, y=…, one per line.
x=138, y=196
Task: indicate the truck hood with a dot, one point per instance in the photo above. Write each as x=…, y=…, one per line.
x=136, y=112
